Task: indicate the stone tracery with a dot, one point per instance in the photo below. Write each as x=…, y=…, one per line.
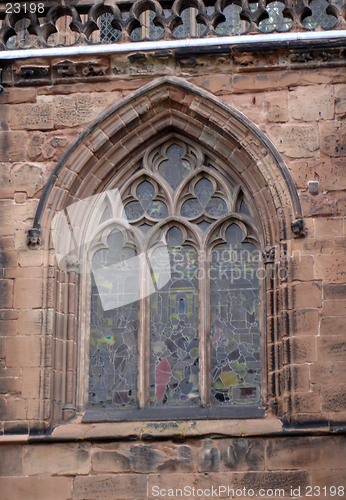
x=152, y=20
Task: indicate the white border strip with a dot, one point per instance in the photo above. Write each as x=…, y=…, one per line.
x=117, y=48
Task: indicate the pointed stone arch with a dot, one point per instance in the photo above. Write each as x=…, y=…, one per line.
x=115, y=141
x=163, y=105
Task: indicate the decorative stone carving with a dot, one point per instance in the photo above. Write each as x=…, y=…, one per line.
x=66, y=70
x=34, y=237
x=298, y=228
x=268, y=255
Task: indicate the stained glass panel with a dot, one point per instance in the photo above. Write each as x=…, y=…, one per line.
x=154, y=208
x=113, y=330
x=174, y=328
x=204, y=190
x=175, y=168
x=235, y=334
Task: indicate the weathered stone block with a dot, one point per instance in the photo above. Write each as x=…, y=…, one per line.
x=12, y=146
x=6, y=294
x=330, y=269
x=4, y=117
x=332, y=325
x=15, y=95
x=300, y=268
x=31, y=383
x=277, y=111
x=106, y=487
x=306, y=402
x=297, y=452
x=28, y=293
x=36, y=488
x=328, y=227
x=296, y=141
x=8, y=327
x=10, y=385
x=23, y=351
x=312, y=103
x=274, y=80
x=30, y=321
x=304, y=295
x=328, y=373
x=334, y=398
x=303, y=350
x=80, y=108
x=331, y=348
x=56, y=459
x=14, y=217
x=334, y=308
x=11, y=460
x=300, y=378
x=271, y=481
x=332, y=479
x=334, y=292
x=12, y=408
x=333, y=138
x=304, y=322
x=179, y=481
x=231, y=454
x=109, y=461
x=32, y=116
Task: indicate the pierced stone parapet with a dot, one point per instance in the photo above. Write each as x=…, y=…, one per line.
x=86, y=23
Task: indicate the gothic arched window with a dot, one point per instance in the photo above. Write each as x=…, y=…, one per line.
x=175, y=290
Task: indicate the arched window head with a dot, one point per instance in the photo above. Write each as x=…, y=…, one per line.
x=175, y=289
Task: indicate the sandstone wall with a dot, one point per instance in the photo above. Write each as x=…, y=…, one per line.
x=303, y=112
x=124, y=471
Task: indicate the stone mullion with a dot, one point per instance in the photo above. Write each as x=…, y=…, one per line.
x=143, y=333
x=271, y=328
x=69, y=407
x=285, y=385
x=204, y=332
x=270, y=344
x=58, y=355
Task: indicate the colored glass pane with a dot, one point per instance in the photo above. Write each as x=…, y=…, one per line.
x=174, y=329
x=175, y=168
x=235, y=334
x=113, y=330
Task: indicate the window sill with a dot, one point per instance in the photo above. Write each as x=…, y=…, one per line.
x=173, y=429
x=101, y=415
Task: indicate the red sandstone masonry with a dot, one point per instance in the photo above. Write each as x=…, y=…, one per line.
x=287, y=106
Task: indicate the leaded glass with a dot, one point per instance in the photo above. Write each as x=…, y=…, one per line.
x=155, y=32
x=233, y=23
x=145, y=193
x=235, y=334
x=175, y=168
x=107, y=33
x=106, y=215
x=243, y=208
x=214, y=206
x=113, y=330
x=190, y=26
x=319, y=16
x=166, y=276
x=174, y=328
x=276, y=20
